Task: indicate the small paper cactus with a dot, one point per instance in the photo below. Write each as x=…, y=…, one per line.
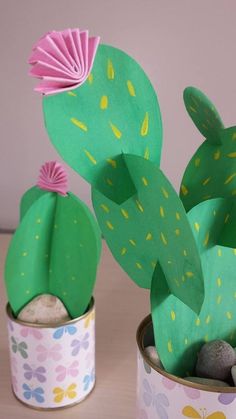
x=211, y=172
x=56, y=248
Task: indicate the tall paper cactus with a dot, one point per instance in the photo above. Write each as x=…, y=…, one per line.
x=114, y=112
x=55, y=250
x=211, y=172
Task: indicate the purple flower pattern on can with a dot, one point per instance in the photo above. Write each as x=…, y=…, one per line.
x=78, y=344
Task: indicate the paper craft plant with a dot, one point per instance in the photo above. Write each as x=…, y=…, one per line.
x=56, y=247
x=108, y=128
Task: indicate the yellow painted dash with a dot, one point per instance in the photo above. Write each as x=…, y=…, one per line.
x=104, y=102
x=164, y=241
x=109, y=225
x=162, y=212
x=105, y=208
x=229, y=179
x=131, y=88
x=145, y=181
x=139, y=266
x=147, y=153
x=90, y=157
x=198, y=322
x=206, y=240
x=149, y=236
x=145, y=125
x=189, y=274
x=165, y=193
x=124, y=213
x=79, y=124
x=232, y=155
x=123, y=251
x=90, y=78
x=227, y=218
x=229, y=315
x=177, y=231
x=206, y=181
x=197, y=162
x=172, y=315
x=72, y=94
x=177, y=215
x=110, y=70
x=184, y=190
x=216, y=155
x=116, y=131
x=219, y=282
x=112, y=163
x=169, y=346
x=197, y=227
x=132, y=242
x=140, y=207
x=219, y=252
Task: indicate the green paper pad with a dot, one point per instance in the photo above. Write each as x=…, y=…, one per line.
x=211, y=173
x=115, y=111
x=55, y=249
x=179, y=332
x=150, y=227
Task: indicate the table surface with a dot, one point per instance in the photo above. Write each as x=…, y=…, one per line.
x=120, y=307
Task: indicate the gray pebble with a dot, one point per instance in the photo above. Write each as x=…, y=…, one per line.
x=233, y=373
x=46, y=309
x=152, y=354
x=207, y=381
x=215, y=360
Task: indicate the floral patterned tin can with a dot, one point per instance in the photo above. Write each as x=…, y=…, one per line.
x=52, y=366
x=163, y=396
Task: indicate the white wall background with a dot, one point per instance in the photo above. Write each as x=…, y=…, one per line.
x=178, y=43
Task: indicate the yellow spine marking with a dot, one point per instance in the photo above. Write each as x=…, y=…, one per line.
x=162, y=212
x=139, y=206
x=105, y=208
x=123, y=251
x=198, y=322
x=192, y=109
x=165, y=193
x=149, y=236
x=116, y=131
x=90, y=157
x=164, y=241
x=189, y=274
x=145, y=125
x=109, y=182
x=206, y=241
x=147, y=153
x=197, y=227
x=139, y=266
x=184, y=190
x=219, y=252
x=172, y=315
x=169, y=346
x=110, y=70
x=219, y=299
x=227, y=218
x=153, y=264
x=90, y=78
x=177, y=282
x=112, y=163
x=206, y=338
x=79, y=124
x=185, y=252
x=24, y=254
x=205, y=126
x=145, y=181
x=177, y=231
x=177, y=216
x=232, y=155
x=205, y=197
x=197, y=162
x=104, y=102
x=72, y=94
x=234, y=136
x=124, y=213
x=234, y=252
x=230, y=178
x=216, y=155
x=109, y=225
x=233, y=192
x=132, y=242
x=131, y=88
x=185, y=341
x=208, y=319
x=229, y=315
x=219, y=282
x=206, y=181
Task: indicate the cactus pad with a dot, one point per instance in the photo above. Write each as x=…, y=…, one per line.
x=211, y=173
x=179, y=332
x=54, y=250
x=150, y=227
x=115, y=111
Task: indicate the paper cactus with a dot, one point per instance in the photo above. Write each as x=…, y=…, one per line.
x=211, y=172
x=114, y=112
x=56, y=248
x=179, y=332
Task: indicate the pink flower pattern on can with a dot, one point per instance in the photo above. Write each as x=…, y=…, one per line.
x=44, y=372
x=63, y=371
x=63, y=60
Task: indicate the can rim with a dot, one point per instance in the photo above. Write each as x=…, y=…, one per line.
x=49, y=325
x=139, y=338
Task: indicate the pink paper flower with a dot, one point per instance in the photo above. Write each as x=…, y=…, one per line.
x=53, y=178
x=63, y=60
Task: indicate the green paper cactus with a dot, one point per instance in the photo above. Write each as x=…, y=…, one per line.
x=211, y=172
x=55, y=250
x=185, y=331
x=114, y=112
x=151, y=227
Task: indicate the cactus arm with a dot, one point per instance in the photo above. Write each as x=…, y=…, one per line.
x=179, y=332
x=76, y=248
x=204, y=114
x=152, y=225
x=27, y=262
x=115, y=111
x=211, y=172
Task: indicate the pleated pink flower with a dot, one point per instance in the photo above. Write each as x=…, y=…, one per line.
x=63, y=60
x=52, y=177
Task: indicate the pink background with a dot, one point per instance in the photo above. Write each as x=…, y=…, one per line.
x=178, y=43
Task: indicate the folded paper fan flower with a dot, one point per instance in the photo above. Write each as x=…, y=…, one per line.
x=53, y=178
x=63, y=60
